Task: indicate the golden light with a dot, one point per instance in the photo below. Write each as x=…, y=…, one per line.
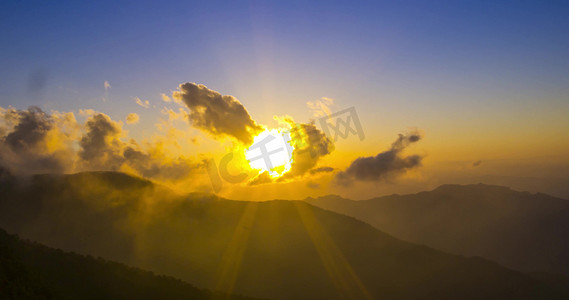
x=271, y=152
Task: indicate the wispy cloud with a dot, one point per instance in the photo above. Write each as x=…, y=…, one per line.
x=107, y=87
x=143, y=103
x=321, y=107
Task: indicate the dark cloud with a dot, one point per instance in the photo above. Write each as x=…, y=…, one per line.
x=146, y=165
x=32, y=127
x=101, y=147
x=383, y=166
x=25, y=142
x=216, y=114
x=310, y=144
x=321, y=170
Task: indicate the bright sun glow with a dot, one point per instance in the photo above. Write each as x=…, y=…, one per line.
x=271, y=151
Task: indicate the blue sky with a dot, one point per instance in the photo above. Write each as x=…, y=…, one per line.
x=403, y=60
x=151, y=47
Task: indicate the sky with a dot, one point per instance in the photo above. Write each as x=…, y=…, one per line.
x=485, y=84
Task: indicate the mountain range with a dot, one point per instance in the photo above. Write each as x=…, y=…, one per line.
x=274, y=249
x=520, y=230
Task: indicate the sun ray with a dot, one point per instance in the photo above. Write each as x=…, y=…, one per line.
x=231, y=260
x=340, y=271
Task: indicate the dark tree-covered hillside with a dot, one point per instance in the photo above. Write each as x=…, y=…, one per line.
x=32, y=271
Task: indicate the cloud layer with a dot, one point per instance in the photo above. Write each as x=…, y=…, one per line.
x=385, y=165
x=32, y=141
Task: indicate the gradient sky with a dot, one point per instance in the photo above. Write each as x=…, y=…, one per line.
x=484, y=80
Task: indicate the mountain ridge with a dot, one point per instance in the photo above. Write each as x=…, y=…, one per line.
x=29, y=270
x=522, y=230
x=275, y=249
x=442, y=187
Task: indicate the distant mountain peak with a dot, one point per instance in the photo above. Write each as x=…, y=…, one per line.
x=203, y=196
x=329, y=197
x=471, y=187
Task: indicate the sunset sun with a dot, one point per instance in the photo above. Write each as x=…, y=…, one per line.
x=271, y=152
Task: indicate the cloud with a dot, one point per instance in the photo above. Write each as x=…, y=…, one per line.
x=31, y=129
x=321, y=170
x=477, y=163
x=321, y=107
x=32, y=141
x=132, y=118
x=216, y=114
x=260, y=179
x=87, y=112
x=383, y=166
x=165, y=98
x=107, y=87
x=101, y=147
x=142, y=103
x=153, y=164
x=181, y=114
x=310, y=144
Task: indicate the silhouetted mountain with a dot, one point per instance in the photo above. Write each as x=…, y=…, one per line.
x=274, y=249
x=32, y=271
x=517, y=229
